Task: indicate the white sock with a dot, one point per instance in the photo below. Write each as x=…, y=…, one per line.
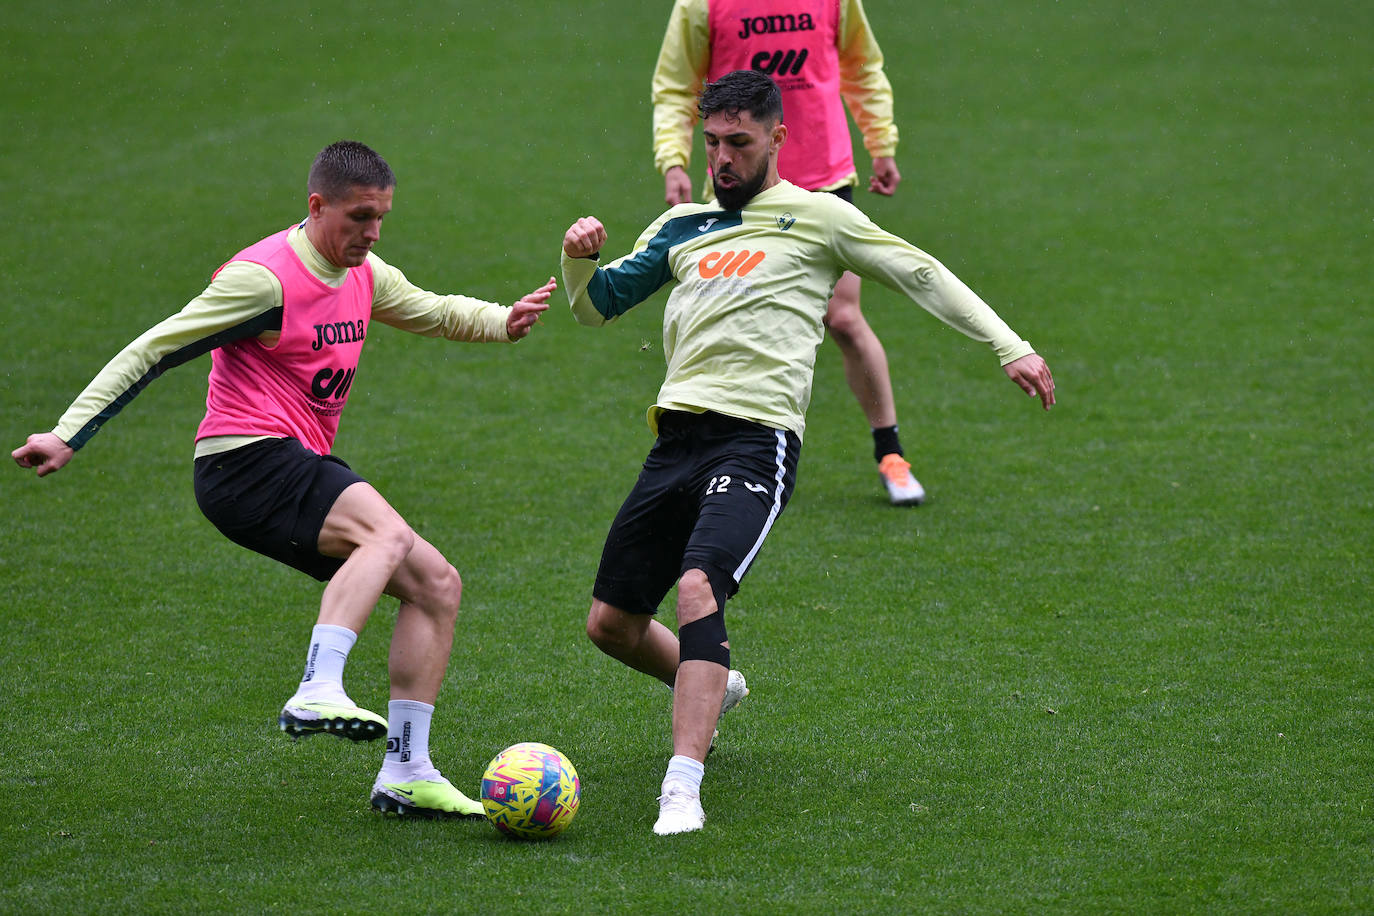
x=407, y=742
x=684, y=771
x=324, y=663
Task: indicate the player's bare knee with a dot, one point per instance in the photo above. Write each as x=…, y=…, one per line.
x=437, y=589
x=703, y=590
x=694, y=590
x=609, y=630
x=602, y=634
x=448, y=590
x=394, y=539
x=845, y=325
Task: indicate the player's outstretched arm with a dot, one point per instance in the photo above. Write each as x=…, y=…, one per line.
x=1033, y=377
x=44, y=452
x=584, y=238
x=525, y=313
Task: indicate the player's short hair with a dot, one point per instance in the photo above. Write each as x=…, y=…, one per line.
x=340, y=167
x=742, y=90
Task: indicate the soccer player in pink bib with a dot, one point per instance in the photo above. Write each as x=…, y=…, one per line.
x=823, y=56
x=284, y=321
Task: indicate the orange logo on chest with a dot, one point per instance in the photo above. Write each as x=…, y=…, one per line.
x=729, y=263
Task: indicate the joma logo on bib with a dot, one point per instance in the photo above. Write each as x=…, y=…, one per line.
x=767, y=25
x=339, y=332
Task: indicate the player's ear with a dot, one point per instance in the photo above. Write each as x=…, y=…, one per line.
x=779, y=135
x=314, y=204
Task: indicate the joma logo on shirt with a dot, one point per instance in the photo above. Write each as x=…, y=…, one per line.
x=339, y=332
x=729, y=263
x=767, y=25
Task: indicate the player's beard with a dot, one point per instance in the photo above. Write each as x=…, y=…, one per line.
x=735, y=198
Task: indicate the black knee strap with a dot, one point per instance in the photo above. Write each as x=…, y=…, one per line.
x=701, y=640
x=723, y=585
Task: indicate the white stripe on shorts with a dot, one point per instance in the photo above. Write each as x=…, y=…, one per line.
x=781, y=460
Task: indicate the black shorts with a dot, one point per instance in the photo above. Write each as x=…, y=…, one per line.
x=844, y=193
x=706, y=498
x=272, y=497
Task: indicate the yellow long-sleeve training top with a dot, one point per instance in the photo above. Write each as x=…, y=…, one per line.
x=241, y=301
x=742, y=324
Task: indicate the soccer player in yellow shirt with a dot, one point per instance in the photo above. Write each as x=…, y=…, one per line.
x=752, y=272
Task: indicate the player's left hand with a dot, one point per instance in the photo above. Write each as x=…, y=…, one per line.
x=1033, y=376
x=525, y=313
x=885, y=176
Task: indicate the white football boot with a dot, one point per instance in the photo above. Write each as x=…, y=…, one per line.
x=735, y=690
x=679, y=811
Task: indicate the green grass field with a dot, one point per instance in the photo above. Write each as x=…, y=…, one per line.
x=1120, y=663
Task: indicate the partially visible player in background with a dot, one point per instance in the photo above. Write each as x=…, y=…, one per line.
x=285, y=321
x=822, y=54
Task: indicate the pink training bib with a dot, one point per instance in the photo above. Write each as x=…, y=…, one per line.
x=794, y=42
x=298, y=387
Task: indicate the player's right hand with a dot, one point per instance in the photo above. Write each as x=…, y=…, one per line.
x=677, y=186
x=44, y=451
x=885, y=176
x=584, y=238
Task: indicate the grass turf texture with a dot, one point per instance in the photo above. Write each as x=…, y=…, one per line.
x=1120, y=663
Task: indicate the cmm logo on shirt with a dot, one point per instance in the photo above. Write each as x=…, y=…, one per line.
x=332, y=383
x=728, y=263
x=779, y=63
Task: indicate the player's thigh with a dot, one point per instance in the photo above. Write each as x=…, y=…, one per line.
x=361, y=516
x=643, y=548
x=744, y=490
x=273, y=496
x=842, y=311
x=844, y=300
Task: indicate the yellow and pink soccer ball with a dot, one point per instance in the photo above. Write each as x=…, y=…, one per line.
x=530, y=791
